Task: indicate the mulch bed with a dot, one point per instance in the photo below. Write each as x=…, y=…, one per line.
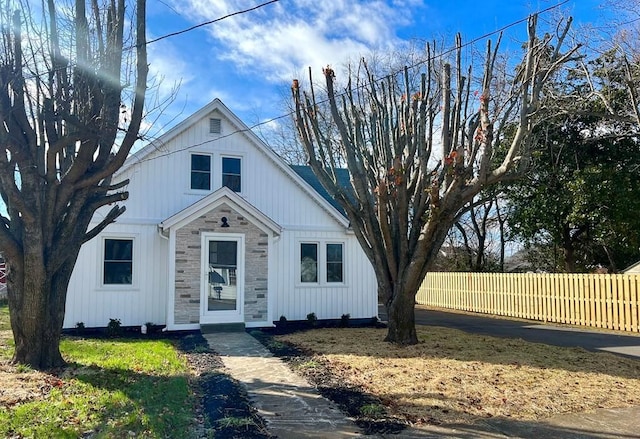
x=224, y=410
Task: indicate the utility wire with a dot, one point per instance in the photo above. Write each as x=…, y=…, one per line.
x=416, y=64
x=172, y=34
x=206, y=23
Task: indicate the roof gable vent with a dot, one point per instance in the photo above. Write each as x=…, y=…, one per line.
x=215, y=126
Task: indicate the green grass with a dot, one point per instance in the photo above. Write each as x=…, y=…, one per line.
x=113, y=388
x=4, y=318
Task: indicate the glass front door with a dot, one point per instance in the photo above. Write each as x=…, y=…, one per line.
x=222, y=276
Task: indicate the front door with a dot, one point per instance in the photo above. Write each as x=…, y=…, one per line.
x=222, y=278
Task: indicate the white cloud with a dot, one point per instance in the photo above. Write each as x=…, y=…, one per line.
x=283, y=38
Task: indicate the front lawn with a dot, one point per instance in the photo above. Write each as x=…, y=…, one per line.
x=112, y=388
x=453, y=377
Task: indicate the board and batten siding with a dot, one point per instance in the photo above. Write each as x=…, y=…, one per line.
x=159, y=187
x=145, y=301
x=294, y=300
x=159, y=184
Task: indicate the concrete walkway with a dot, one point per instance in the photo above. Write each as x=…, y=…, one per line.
x=291, y=407
x=294, y=409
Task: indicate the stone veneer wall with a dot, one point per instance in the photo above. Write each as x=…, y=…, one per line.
x=188, y=264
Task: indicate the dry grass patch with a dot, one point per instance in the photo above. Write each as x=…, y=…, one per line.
x=19, y=384
x=455, y=377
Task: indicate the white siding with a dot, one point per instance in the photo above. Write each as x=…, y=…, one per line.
x=145, y=301
x=159, y=187
x=357, y=297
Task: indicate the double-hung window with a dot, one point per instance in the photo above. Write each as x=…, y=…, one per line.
x=117, y=266
x=335, y=263
x=308, y=262
x=232, y=173
x=201, y=172
x=321, y=263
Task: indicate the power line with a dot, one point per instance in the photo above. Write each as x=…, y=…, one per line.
x=172, y=34
x=206, y=23
x=416, y=64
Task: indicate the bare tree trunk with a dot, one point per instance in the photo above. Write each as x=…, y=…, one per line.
x=63, y=155
x=401, y=317
x=403, y=198
x=37, y=297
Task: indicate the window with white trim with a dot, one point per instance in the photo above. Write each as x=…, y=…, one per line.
x=321, y=262
x=335, y=263
x=201, y=172
x=308, y=262
x=117, y=267
x=232, y=173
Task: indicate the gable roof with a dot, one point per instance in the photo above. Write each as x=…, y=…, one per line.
x=342, y=175
x=224, y=195
x=330, y=207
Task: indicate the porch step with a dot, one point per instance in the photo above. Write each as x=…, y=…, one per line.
x=222, y=327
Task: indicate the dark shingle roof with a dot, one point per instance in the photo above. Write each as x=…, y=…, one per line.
x=307, y=175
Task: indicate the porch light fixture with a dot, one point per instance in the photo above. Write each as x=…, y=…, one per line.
x=224, y=222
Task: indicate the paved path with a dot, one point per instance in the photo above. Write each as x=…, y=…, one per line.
x=293, y=408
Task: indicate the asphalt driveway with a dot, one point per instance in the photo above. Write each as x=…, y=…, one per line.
x=537, y=332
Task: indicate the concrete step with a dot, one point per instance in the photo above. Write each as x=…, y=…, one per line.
x=222, y=327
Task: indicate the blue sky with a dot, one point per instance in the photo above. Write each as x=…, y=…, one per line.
x=249, y=60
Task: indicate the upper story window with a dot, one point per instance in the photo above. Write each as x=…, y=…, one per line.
x=215, y=126
x=118, y=262
x=201, y=172
x=231, y=173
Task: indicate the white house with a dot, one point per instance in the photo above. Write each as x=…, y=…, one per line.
x=632, y=269
x=218, y=229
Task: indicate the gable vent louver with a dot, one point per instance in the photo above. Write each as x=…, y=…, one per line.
x=215, y=126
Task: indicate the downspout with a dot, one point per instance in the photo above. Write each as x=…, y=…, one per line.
x=162, y=235
x=161, y=232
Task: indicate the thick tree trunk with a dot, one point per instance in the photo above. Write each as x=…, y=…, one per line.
x=36, y=307
x=37, y=337
x=401, y=317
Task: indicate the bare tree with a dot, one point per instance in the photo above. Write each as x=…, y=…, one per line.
x=417, y=155
x=69, y=120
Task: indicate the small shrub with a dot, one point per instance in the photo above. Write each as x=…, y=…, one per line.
x=235, y=422
x=23, y=368
x=309, y=364
x=372, y=410
x=344, y=320
x=151, y=327
x=80, y=326
x=312, y=319
x=281, y=323
x=201, y=349
x=114, y=328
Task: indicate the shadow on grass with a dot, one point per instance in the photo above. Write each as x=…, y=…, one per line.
x=156, y=405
